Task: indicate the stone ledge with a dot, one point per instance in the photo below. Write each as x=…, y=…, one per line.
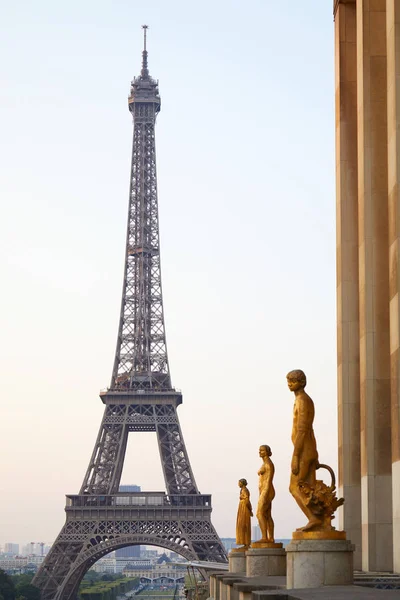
x=253, y=587
x=218, y=582
x=337, y=592
x=219, y=572
x=225, y=574
x=233, y=580
x=270, y=582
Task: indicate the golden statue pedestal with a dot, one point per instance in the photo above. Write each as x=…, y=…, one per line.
x=318, y=561
x=237, y=560
x=265, y=559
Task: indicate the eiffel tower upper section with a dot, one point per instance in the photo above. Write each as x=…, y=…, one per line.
x=141, y=359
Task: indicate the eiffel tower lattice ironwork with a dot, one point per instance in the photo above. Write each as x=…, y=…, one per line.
x=140, y=398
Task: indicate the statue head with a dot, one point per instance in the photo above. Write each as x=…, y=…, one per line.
x=296, y=379
x=265, y=450
x=242, y=482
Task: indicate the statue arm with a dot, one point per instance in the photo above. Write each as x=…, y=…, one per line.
x=299, y=443
x=246, y=497
x=298, y=448
x=249, y=507
x=270, y=476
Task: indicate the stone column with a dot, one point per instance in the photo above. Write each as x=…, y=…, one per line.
x=376, y=467
x=347, y=273
x=393, y=106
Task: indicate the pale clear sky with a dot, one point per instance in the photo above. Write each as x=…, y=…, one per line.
x=245, y=151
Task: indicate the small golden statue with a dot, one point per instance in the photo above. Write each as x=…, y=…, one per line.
x=317, y=500
x=244, y=514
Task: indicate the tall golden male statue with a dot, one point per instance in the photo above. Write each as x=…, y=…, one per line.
x=317, y=500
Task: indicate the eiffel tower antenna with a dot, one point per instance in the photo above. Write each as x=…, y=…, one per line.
x=145, y=72
x=101, y=518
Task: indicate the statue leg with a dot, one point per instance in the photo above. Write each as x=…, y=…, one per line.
x=270, y=526
x=294, y=490
x=305, y=474
x=310, y=477
x=261, y=516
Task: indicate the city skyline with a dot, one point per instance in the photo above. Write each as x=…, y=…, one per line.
x=235, y=276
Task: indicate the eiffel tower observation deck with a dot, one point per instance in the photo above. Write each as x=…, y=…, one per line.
x=101, y=519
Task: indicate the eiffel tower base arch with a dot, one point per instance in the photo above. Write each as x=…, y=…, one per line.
x=180, y=524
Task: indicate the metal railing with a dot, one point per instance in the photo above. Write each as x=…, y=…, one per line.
x=139, y=499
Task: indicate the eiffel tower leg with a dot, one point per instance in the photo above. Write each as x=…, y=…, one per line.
x=204, y=540
x=63, y=572
x=53, y=572
x=178, y=474
x=105, y=467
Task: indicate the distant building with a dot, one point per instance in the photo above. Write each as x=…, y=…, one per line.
x=129, y=488
x=129, y=551
x=35, y=549
x=145, y=553
x=123, y=563
x=256, y=533
x=20, y=564
x=35, y=560
x=229, y=543
x=105, y=565
x=13, y=564
x=164, y=573
x=11, y=548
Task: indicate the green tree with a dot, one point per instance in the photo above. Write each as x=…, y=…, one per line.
x=24, y=578
x=6, y=586
x=91, y=576
x=27, y=591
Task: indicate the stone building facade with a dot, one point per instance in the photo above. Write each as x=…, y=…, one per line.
x=367, y=58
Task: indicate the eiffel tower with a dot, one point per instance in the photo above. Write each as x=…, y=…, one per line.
x=101, y=519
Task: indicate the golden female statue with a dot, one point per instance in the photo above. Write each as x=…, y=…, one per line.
x=245, y=512
x=267, y=494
